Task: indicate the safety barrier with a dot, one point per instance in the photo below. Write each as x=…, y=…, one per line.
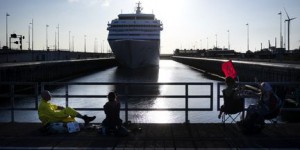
x=13, y=91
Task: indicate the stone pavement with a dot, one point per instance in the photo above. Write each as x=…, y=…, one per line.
x=152, y=136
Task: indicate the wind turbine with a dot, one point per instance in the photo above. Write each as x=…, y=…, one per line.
x=288, y=21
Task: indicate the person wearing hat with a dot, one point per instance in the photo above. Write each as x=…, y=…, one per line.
x=51, y=113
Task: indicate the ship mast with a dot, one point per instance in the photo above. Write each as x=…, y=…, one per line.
x=138, y=8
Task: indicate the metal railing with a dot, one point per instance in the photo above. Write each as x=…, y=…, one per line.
x=12, y=94
x=277, y=86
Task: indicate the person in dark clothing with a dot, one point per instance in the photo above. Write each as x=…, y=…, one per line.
x=233, y=103
x=112, y=112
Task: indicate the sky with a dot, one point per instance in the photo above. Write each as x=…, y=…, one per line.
x=187, y=24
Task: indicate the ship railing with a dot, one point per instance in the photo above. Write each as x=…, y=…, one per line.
x=15, y=91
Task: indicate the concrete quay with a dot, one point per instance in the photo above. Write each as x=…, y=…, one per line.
x=153, y=136
x=51, y=70
x=248, y=71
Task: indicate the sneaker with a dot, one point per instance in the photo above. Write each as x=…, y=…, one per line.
x=87, y=119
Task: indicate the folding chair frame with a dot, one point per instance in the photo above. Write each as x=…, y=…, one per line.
x=233, y=117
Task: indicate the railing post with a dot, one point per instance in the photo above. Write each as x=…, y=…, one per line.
x=186, y=104
x=67, y=95
x=126, y=103
x=36, y=95
x=212, y=95
x=218, y=96
x=12, y=99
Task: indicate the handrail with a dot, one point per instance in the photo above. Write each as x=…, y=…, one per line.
x=286, y=84
x=38, y=87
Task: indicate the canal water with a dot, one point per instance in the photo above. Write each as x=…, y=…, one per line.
x=168, y=71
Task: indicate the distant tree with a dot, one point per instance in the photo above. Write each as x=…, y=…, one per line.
x=249, y=54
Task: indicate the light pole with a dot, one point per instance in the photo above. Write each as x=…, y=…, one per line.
x=47, y=37
x=58, y=37
x=29, y=37
x=281, y=42
x=55, y=42
x=6, y=30
x=247, y=36
x=73, y=43
x=32, y=34
x=207, y=43
x=201, y=44
x=216, y=40
x=69, y=41
x=84, y=43
x=228, y=39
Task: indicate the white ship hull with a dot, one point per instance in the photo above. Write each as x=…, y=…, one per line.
x=136, y=53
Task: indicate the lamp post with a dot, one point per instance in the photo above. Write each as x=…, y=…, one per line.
x=216, y=40
x=58, y=37
x=281, y=42
x=47, y=37
x=7, y=29
x=84, y=43
x=32, y=34
x=55, y=42
x=69, y=41
x=247, y=36
x=29, y=37
x=228, y=39
x=73, y=43
x=207, y=43
x=201, y=44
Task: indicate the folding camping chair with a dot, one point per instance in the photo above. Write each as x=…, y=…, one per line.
x=233, y=107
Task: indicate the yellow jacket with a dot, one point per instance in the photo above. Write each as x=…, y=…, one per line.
x=49, y=112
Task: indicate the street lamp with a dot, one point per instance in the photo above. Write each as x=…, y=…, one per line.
x=281, y=42
x=216, y=40
x=58, y=37
x=228, y=39
x=29, y=36
x=47, y=37
x=247, y=36
x=207, y=43
x=84, y=43
x=6, y=30
x=32, y=34
x=69, y=41
x=73, y=43
x=201, y=44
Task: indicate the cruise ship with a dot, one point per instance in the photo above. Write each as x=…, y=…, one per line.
x=135, y=39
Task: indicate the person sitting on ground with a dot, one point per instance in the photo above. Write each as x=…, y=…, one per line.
x=232, y=101
x=112, y=122
x=50, y=113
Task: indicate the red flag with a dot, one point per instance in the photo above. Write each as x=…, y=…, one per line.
x=228, y=69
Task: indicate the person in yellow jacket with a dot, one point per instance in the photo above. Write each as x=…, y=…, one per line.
x=51, y=113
